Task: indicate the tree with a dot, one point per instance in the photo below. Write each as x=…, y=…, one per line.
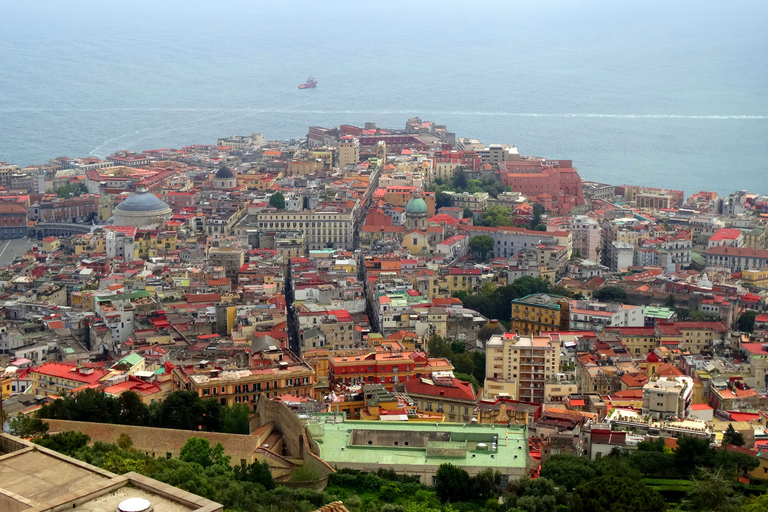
x=537, y=495
x=442, y=199
x=236, y=419
x=733, y=437
x=463, y=363
x=756, y=504
x=651, y=463
x=735, y=463
x=540, y=227
x=610, y=294
x=481, y=245
x=257, y=473
x=438, y=347
x=198, y=450
x=486, y=483
x=713, y=491
x=468, y=214
x=569, y=470
x=277, y=200
x=670, y=301
x=124, y=442
x=747, y=321
x=614, y=494
x=538, y=211
x=132, y=410
x=64, y=442
x=27, y=426
x=693, y=453
x=452, y=483
x=459, y=180
x=495, y=216
x=116, y=463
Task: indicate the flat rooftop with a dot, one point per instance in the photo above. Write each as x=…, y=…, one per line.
x=36, y=479
x=386, y=443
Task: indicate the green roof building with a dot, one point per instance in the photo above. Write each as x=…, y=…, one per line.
x=419, y=448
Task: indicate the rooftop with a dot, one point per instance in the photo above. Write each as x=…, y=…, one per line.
x=379, y=443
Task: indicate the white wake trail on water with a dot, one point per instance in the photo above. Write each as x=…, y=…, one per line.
x=394, y=112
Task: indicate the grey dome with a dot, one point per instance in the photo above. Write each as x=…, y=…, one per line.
x=224, y=173
x=142, y=201
x=491, y=328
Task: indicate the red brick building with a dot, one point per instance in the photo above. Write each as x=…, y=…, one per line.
x=553, y=183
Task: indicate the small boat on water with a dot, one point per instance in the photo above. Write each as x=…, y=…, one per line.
x=310, y=83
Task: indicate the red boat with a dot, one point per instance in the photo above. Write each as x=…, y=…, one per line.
x=310, y=83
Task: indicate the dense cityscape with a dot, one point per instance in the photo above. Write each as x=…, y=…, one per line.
x=377, y=320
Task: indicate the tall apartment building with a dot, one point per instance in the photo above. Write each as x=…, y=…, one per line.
x=540, y=312
x=519, y=366
x=349, y=151
x=585, y=232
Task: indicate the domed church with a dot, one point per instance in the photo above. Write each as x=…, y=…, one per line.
x=416, y=214
x=141, y=209
x=224, y=179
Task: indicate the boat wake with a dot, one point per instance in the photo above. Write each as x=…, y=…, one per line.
x=415, y=111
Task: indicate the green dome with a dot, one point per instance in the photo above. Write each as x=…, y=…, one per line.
x=416, y=205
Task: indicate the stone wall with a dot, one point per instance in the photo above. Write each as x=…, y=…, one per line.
x=161, y=442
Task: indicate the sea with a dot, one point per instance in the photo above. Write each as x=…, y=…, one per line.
x=666, y=93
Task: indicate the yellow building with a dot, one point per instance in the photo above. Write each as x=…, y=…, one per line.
x=519, y=366
x=106, y=205
x=755, y=238
x=51, y=244
x=5, y=386
x=349, y=151
x=638, y=340
x=245, y=386
x=151, y=243
x=460, y=279
x=417, y=243
x=540, y=312
x=303, y=167
x=51, y=379
x=755, y=278
x=90, y=243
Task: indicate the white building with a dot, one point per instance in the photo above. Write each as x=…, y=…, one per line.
x=595, y=316
x=668, y=397
x=119, y=243
x=621, y=256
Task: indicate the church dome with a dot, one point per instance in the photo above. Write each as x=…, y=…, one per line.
x=491, y=328
x=416, y=205
x=224, y=173
x=142, y=201
x=141, y=209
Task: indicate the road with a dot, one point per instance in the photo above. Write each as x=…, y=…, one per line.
x=10, y=249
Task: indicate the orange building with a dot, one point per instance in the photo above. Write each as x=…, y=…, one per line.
x=386, y=368
x=400, y=195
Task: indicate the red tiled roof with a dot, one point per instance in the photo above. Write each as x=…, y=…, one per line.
x=71, y=372
x=458, y=389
